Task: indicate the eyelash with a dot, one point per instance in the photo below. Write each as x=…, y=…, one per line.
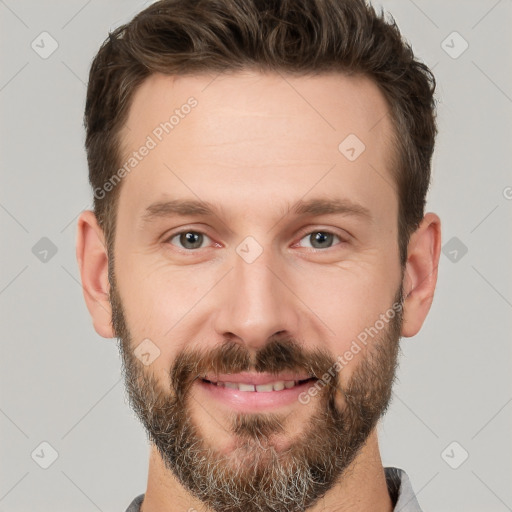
x=309, y=233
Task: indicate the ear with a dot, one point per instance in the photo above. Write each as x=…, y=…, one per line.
x=91, y=253
x=421, y=273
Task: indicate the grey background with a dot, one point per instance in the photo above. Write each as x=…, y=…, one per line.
x=61, y=382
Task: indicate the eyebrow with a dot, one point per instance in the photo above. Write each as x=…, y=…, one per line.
x=196, y=208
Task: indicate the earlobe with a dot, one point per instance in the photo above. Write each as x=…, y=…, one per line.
x=92, y=257
x=420, y=276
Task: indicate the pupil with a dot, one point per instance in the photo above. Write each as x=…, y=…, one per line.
x=321, y=237
x=191, y=238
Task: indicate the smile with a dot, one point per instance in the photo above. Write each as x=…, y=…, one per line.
x=278, y=385
x=245, y=392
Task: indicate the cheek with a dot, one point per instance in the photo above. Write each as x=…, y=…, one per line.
x=155, y=296
x=347, y=296
x=346, y=302
x=159, y=305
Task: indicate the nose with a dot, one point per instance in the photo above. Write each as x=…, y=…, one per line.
x=255, y=302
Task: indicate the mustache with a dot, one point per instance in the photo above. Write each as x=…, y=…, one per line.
x=278, y=355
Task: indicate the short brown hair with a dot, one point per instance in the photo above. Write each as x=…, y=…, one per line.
x=296, y=36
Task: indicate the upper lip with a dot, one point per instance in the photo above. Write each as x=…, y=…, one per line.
x=255, y=378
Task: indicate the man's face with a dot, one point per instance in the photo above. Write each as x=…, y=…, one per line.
x=257, y=286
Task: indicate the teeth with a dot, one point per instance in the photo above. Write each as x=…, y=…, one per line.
x=264, y=388
x=261, y=388
x=246, y=387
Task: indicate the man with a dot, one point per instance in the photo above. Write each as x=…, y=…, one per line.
x=259, y=245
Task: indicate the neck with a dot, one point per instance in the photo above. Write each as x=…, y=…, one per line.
x=362, y=487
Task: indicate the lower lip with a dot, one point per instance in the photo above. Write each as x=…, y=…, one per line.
x=247, y=401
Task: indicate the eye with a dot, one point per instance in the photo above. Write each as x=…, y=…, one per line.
x=320, y=239
x=189, y=239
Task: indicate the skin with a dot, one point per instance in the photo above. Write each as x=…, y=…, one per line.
x=255, y=144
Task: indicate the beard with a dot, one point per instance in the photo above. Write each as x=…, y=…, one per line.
x=255, y=475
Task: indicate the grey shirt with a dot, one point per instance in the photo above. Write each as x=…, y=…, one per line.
x=399, y=488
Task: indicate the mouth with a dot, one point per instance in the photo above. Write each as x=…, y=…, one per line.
x=277, y=385
x=254, y=392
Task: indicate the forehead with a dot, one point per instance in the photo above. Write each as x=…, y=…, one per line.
x=330, y=104
x=213, y=134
